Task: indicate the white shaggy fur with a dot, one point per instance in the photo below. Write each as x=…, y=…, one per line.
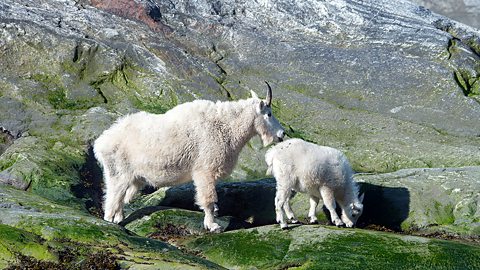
x=321, y=172
x=199, y=140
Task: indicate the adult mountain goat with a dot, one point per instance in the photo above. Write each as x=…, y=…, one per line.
x=319, y=171
x=198, y=140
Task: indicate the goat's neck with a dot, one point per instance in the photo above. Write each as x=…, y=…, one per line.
x=242, y=126
x=351, y=192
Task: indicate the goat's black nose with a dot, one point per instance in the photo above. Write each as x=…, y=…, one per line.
x=280, y=135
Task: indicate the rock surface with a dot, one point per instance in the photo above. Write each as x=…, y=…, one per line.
x=465, y=11
x=68, y=238
x=425, y=201
x=436, y=202
x=393, y=85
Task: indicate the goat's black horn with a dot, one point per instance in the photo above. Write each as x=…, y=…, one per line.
x=269, y=94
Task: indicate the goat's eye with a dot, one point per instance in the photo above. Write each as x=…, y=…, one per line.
x=269, y=114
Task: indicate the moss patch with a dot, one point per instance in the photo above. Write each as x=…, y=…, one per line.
x=377, y=251
x=16, y=241
x=171, y=224
x=159, y=220
x=243, y=248
x=57, y=93
x=470, y=83
x=71, y=229
x=317, y=247
x=57, y=237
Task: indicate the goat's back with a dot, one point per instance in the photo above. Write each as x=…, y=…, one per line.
x=309, y=162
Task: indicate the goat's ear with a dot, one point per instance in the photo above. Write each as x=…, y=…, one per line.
x=254, y=95
x=361, y=197
x=261, y=106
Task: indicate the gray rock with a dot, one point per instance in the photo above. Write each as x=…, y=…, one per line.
x=465, y=11
x=425, y=201
x=7, y=178
x=367, y=81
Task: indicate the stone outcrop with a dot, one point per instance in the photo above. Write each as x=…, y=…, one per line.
x=390, y=83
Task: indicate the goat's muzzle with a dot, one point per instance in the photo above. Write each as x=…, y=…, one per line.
x=280, y=135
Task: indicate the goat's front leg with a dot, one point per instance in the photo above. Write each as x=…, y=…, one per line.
x=206, y=197
x=346, y=215
x=329, y=202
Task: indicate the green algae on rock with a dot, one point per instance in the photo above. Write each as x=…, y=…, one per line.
x=17, y=241
x=36, y=227
x=186, y=222
x=319, y=247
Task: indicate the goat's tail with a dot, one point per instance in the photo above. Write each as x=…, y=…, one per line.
x=269, y=161
x=98, y=150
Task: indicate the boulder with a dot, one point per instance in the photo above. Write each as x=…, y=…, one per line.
x=443, y=202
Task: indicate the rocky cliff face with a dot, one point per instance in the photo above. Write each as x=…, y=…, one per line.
x=465, y=11
x=390, y=83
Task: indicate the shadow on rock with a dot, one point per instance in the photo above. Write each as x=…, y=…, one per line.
x=249, y=204
x=385, y=208
x=251, y=201
x=90, y=187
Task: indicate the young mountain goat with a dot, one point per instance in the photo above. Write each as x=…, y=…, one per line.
x=198, y=140
x=320, y=171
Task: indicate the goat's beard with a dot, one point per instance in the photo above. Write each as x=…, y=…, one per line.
x=266, y=139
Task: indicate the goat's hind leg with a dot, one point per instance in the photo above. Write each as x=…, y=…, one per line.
x=116, y=189
x=288, y=210
x=280, y=200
